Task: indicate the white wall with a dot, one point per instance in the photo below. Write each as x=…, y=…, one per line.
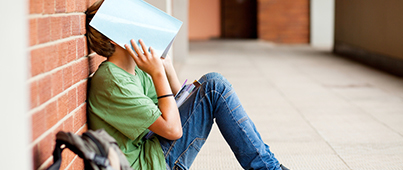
x=164, y=5
x=322, y=23
x=181, y=44
x=14, y=150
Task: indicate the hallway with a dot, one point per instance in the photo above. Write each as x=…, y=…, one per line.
x=316, y=111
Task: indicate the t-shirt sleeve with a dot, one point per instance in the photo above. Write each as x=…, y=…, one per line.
x=148, y=85
x=129, y=110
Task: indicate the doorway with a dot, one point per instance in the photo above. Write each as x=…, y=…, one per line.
x=239, y=19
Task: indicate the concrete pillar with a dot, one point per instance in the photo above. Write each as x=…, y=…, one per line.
x=181, y=45
x=164, y=5
x=322, y=23
x=14, y=98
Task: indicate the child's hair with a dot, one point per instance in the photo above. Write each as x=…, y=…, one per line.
x=98, y=42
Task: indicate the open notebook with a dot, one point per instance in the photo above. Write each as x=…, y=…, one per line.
x=180, y=97
x=185, y=92
x=123, y=20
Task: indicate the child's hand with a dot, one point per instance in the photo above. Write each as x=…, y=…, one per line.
x=167, y=62
x=146, y=61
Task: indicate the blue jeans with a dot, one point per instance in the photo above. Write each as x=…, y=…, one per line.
x=216, y=99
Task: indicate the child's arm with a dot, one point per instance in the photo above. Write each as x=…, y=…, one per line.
x=171, y=75
x=168, y=125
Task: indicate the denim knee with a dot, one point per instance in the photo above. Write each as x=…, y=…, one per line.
x=213, y=76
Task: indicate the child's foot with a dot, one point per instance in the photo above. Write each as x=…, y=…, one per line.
x=283, y=167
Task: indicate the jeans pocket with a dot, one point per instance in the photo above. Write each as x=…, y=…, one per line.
x=196, y=145
x=187, y=157
x=179, y=166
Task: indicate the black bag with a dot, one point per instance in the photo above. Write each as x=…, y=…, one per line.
x=98, y=150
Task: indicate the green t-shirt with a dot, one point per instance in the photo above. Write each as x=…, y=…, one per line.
x=125, y=105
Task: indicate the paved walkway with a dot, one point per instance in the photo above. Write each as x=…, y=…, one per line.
x=317, y=111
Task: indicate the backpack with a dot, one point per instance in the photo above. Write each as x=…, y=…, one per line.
x=98, y=150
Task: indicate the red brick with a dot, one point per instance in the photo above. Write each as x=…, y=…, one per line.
x=57, y=129
x=43, y=30
x=72, y=100
x=81, y=5
x=67, y=77
x=71, y=51
x=38, y=58
x=57, y=82
x=78, y=164
x=81, y=47
x=66, y=26
x=75, y=25
x=92, y=2
x=62, y=50
x=46, y=147
x=82, y=24
x=83, y=129
x=38, y=123
x=87, y=3
x=62, y=102
x=51, y=59
x=80, y=117
x=43, y=60
x=56, y=28
x=82, y=92
x=95, y=60
x=92, y=63
x=68, y=124
x=67, y=51
x=70, y=6
x=34, y=94
x=60, y=6
x=80, y=70
x=33, y=31
x=51, y=114
x=49, y=6
x=44, y=89
x=68, y=157
x=35, y=6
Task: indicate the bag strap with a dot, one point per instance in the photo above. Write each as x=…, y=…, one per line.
x=100, y=160
x=70, y=141
x=57, y=157
x=57, y=153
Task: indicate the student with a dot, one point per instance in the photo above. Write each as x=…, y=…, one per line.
x=132, y=94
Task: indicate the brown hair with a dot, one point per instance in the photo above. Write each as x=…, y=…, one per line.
x=98, y=42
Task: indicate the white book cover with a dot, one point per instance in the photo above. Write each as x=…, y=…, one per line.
x=123, y=20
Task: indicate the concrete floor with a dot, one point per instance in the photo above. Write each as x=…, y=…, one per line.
x=316, y=111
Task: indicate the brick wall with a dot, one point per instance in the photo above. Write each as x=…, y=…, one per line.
x=283, y=21
x=59, y=69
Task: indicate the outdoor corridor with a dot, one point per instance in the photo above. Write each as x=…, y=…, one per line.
x=316, y=111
